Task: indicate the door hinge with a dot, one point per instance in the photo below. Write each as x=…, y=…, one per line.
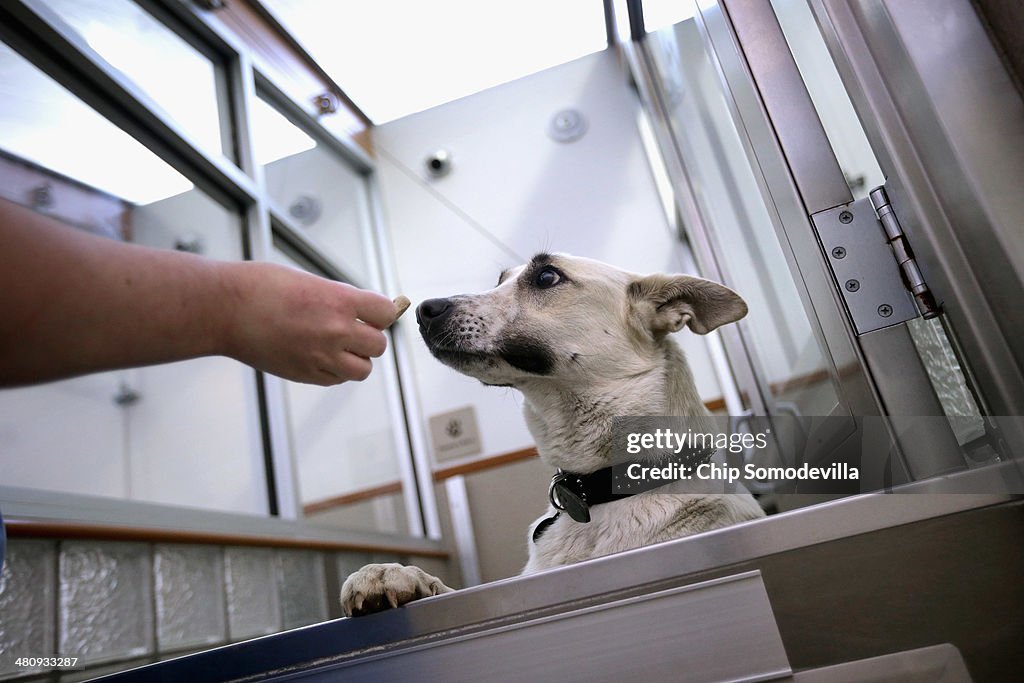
x=903, y=254
x=873, y=264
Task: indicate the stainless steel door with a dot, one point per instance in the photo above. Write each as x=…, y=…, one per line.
x=946, y=123
x=758, y=180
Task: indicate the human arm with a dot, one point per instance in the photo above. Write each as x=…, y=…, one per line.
x=73, y=303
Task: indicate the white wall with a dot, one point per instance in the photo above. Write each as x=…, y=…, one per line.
x=514, y=191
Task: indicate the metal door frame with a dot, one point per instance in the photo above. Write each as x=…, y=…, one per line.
x=947, y=126
x=799, y=177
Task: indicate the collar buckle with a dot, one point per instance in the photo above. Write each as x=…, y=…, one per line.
x=563, y=497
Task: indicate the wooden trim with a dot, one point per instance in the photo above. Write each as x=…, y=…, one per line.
x=18, y=528
x=715, y=404
x=800, y=381
x=490, y=462
x=477, y=465
x=442, y=473
x=354, y=497
x=484, y=463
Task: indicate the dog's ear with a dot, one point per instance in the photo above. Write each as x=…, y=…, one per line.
x=665, y=303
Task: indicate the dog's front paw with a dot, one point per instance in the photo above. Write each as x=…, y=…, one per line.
x=378, y=587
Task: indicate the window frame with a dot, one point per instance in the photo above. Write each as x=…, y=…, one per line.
x=33, y=30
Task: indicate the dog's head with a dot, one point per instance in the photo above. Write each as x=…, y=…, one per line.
x=573, y=318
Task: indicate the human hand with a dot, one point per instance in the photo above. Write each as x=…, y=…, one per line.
x=302, y=327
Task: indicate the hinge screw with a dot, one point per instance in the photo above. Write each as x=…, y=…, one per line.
x=852, y=285
x=845, y=217
x=839, y=252
x=885, y=310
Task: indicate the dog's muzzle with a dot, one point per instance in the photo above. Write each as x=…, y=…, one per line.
x=433, y=312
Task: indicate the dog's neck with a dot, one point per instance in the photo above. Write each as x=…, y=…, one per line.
x=573, y=425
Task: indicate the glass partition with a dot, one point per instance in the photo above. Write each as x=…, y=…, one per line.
x=794, y=366
x=343, y=439
x=829, y=96
x=189, y=85
x=310, y=185
x=139, y=434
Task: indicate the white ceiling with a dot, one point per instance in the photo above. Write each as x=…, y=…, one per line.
x=397, y=57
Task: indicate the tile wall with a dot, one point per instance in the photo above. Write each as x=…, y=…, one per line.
x=116, y=605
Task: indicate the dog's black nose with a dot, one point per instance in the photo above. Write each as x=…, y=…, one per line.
x=433, y=310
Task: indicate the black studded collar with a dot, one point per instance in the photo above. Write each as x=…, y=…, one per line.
x=575, y=493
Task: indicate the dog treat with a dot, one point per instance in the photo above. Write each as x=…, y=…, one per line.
x=403, y=303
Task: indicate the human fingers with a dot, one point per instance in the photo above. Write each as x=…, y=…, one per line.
x=373, y=308
x=348, y=366
x=366, y=341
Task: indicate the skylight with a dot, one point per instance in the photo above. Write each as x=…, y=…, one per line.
x=398, y=57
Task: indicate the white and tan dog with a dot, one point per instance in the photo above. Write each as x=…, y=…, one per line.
x=585, y=343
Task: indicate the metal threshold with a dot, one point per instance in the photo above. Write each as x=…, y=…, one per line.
x=576, y=587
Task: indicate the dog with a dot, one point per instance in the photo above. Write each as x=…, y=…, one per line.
x=585, y=343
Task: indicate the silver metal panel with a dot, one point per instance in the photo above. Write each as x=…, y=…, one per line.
x=587, y=584
x=782, y=90
x=947, y=126
x=866, y=274
x=462, y=529
x=935, y=664
x=720, y=630
x=35, y=505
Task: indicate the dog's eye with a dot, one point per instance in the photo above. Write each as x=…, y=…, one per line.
x=548, y=277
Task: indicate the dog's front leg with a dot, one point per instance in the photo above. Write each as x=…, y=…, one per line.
x=378, y=587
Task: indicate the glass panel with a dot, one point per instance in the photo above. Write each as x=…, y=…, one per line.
x=347, y=458
x=661, y=13
x=184, y=82
x=184, y=434
x=315, y=189
x=829, y=96
x=795, y=370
